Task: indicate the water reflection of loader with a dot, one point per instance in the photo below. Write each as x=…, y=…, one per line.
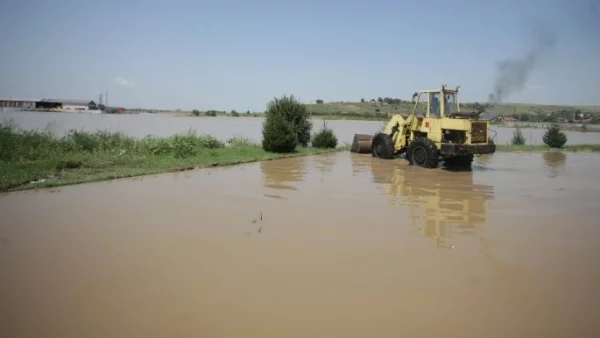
x=441, y=203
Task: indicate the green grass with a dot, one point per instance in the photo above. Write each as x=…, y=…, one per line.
x=569, y=148
x=47, y=161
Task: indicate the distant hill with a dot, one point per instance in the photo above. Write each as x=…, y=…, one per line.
x=380, y=110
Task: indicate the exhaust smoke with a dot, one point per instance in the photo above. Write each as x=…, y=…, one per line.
x=512, y=74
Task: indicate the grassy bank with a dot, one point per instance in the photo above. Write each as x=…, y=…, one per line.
x=569, y=148
x=33, y=159
x=372, y=109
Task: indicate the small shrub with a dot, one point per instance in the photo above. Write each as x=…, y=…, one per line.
x=209, y=142
x=295, y=113
x=554, y=138
x=81, y=140
x=518, y=139
x=196, y=112
x=183, y=145
x=324, y=138
x=234, y=113
x=155, y=146
x=279, y=135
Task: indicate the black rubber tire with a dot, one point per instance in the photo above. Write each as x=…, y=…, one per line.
x=423, y=153
x=382, y=146
x=460, y=161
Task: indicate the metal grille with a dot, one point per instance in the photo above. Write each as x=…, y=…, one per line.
x=478, y=132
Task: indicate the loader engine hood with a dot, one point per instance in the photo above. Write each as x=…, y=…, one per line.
x=462, y=114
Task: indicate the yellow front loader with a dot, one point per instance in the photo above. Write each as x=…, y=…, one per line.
x=435, y=131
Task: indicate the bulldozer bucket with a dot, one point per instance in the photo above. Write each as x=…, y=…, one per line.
x=361, y=143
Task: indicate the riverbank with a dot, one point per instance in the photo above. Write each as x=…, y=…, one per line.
x=33, y=159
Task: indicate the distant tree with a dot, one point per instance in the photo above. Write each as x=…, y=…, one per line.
x=554, y=138
x=196, y=112
x=319, y=101
x=525, y=117
x=380, y=100
x=478, y=107
x=235, y=113
x=362, y=100
x=248, y=112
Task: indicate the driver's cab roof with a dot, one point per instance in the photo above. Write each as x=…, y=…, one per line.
x=427, y=91
x=444, y=89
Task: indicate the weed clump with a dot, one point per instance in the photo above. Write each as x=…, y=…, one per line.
x=240, y=142
x=324, y=138
x=554, y=138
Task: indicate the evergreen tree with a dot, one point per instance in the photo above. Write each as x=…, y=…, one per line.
x=554, y=138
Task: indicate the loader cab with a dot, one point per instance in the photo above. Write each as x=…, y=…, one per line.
x=435, y=103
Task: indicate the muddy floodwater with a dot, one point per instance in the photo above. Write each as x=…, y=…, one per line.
x=337, y=245
x=140, y=125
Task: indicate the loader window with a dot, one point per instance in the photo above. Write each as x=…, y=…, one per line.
x=450, y=104
x=435, y=109
x=421, y=107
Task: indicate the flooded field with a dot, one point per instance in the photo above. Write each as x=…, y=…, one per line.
x=337, y=245
x=226, y=127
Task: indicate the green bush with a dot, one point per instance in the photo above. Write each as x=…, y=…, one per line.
x=196, y=112
x=324, y=138
x=278, y=134
x=554, y=138
x=295, y=113
x=518, y=138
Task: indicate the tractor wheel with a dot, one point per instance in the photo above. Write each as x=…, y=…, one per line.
x=460, y=161
x=382, y=146
x=423, y=152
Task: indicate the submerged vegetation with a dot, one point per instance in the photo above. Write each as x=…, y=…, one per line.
x=31, y=159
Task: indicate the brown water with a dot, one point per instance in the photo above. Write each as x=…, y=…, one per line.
x=347, y=246
x=226, y=127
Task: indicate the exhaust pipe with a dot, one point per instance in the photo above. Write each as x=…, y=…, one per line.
x=361, y=143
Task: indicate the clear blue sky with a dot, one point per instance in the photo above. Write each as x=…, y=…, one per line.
x=227, y=54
